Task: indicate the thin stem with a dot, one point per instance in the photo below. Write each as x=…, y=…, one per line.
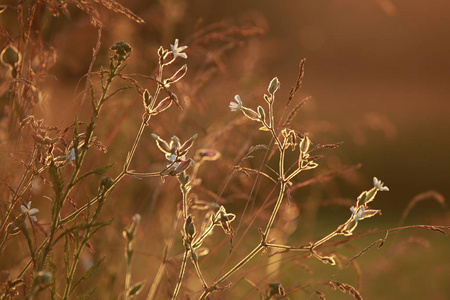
x=71, y=274
x=79, y=161
x=283, y=183
x=181, y=276
x=199, y=241
x=167, y=249
x=185, y=190
x=279, y=200
x=293, y=248
x=127, y=279
x=144, y=175
x=229, y=273
x=18, y=194
x=197, y=267
x=157, y=280
x=135, y=144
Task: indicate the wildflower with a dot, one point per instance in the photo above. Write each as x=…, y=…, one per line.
x=379, y=185
x=236, y=106
x=363, y=213
x=358, y=214
x=71, y=156
x=174, y=150
x=248, y=112
x=176, y=51
x=27, y=210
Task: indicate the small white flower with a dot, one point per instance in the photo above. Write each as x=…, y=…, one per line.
x=379, y=185
x=71, y=156
x=27, y=210
x=176, y=51
x=136, y=218
x=236, y=106
x=358, y=214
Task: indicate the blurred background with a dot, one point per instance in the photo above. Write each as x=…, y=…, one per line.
x=377, y=74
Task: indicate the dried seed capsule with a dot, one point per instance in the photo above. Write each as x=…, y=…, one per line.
x=162, y=106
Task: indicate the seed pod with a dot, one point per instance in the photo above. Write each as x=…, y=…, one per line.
x=188, y=144
x=178, y=75
x=162, y=106
x=162, y=144
x=184, y=165
x=250, y=113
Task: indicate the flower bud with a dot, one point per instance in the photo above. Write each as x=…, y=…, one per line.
x=106, y=183
x=304, y=144
x=146, y=98
x=44, y=277
x=136, y=218
x=189, y=228
x=273, y=86
x=261, y=113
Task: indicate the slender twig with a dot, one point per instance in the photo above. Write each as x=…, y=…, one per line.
x=181, y=275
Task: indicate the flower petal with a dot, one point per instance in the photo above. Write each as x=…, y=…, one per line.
x=33, y=211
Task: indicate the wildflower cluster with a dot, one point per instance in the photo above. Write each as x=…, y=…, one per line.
x=175, y=153
x=362, y=211
x=359, y=212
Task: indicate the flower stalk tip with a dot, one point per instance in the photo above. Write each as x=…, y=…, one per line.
x=28, y=211
x=177, y=50
x=380, y=185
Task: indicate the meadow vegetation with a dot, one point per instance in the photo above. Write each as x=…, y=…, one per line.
x=135, y=189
